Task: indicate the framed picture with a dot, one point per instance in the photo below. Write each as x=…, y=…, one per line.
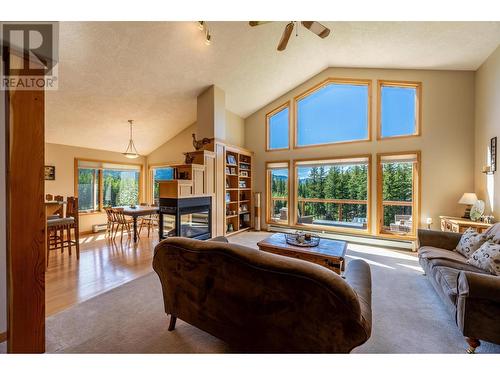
x=243, y=207
x=243, y=184
x=231, y=159
x=228, y=197
x=227, y=170
x=232, y=170
x=493, y=154
x=244, y=174
x=50, y=172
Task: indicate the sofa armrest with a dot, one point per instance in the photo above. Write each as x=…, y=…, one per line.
x=219, y=239
x=358, y=276
x=479, y=286
x=442, y=240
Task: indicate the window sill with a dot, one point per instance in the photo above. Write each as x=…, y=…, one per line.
x=86, y=213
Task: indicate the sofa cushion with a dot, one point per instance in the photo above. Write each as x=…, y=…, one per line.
x=470, y=242
x=447, y=278
x=493, y=233
x=436, y=257
x=487, y=258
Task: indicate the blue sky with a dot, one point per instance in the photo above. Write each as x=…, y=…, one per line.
x=398, y=111
x=334, y=113
x=278, y=129
x=339, y=112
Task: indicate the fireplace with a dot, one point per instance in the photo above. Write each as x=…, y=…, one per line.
x=189, y=217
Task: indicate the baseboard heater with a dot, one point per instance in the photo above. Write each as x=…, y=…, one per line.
x=98, y=227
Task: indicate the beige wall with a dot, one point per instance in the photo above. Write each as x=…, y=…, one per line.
x=487, y=122
x=172, y=151
x=63, y=157
x=446, y=143
x=235, y=129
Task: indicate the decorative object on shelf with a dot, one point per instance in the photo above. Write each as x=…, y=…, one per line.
x=231, y=159
x=228, y=197
x=488, y=219
x=50, y=172
x=227, y=183
x=242, y=184
x=230, y=227
x=302, y=239
x=227, y=170
x=232, y=170
x=188, y=159
x=468, y=199
x=243, y=207
x=243, y=174
x=429, y=222
x=245, y=167
x=198, y=145
x=477, y=210
x=131, y=151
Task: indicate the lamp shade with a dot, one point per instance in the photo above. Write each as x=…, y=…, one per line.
x=468, y=198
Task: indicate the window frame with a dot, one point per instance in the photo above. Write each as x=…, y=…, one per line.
x=416, y=195
x=287, y=104
x=100, y=206
x=319, y=86
x=418, y=107
x=268, y=192
x=368, y=230
x=151, y=182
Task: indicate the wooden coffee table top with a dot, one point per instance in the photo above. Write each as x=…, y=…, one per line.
x=326, y=248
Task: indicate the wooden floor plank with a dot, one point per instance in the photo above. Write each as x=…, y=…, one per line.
x=103, y=265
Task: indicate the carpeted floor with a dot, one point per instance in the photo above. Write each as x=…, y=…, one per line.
x=408, y=316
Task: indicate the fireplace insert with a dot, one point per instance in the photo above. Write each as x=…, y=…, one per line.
x=189, y=217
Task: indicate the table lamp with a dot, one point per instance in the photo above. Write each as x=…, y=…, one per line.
x=468, y=199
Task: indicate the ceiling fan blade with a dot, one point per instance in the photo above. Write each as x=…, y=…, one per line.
x=286, y=36
x=258, y=23
x=316, y=28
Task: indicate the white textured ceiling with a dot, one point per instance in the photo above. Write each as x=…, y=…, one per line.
x=152, y=72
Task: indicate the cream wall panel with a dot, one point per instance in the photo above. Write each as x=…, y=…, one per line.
x=446, y=143
x=235, y=129
x=62, y=157
x=487, y=123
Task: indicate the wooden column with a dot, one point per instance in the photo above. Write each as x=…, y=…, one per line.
x=25, y=221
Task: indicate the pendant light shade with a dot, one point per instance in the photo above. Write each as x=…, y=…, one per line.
x=131, y=151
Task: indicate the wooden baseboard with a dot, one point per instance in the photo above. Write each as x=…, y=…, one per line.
x=3, y=336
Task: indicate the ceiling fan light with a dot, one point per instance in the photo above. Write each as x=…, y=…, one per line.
x=130, y=155
x=201, y=25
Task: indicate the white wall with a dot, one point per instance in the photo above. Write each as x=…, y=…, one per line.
x=487, y=122
x=446, y=143
x=63, y=157
x=3, y=252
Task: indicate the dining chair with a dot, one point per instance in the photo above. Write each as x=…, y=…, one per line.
x=59, y=230
x=121, y=222
x=110, y=225
x=150, y=221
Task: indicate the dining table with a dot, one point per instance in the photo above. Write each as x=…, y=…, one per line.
x=136, y=212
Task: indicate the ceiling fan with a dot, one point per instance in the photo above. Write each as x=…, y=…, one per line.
x=315, y=27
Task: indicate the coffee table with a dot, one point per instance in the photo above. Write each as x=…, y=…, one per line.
x=329, y=253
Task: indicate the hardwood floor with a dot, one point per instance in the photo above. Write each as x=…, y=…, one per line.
x=104, y=264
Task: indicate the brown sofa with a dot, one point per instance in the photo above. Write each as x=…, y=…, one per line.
x=471, y=295
x=261, y=302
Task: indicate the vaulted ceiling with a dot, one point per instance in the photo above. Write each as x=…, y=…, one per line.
x=152, y=72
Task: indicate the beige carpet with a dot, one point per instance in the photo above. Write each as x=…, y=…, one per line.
x=408, y=316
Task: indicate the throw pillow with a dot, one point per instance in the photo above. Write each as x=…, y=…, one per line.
x=487, y=258
x=470, y=242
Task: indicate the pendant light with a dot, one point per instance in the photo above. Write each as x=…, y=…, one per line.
x=131, y=151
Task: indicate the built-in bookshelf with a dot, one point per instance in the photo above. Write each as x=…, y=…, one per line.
x=238, y=191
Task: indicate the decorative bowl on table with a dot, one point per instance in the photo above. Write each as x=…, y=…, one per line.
x=133, y=206
x=302, y=239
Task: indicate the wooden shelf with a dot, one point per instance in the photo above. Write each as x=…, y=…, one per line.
x=245, y=201
x=231, y=165
x=231, y=202
x=230, y=189
x=245, y=189
x=237, y=231
x=231, y=216
x=244, y=212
